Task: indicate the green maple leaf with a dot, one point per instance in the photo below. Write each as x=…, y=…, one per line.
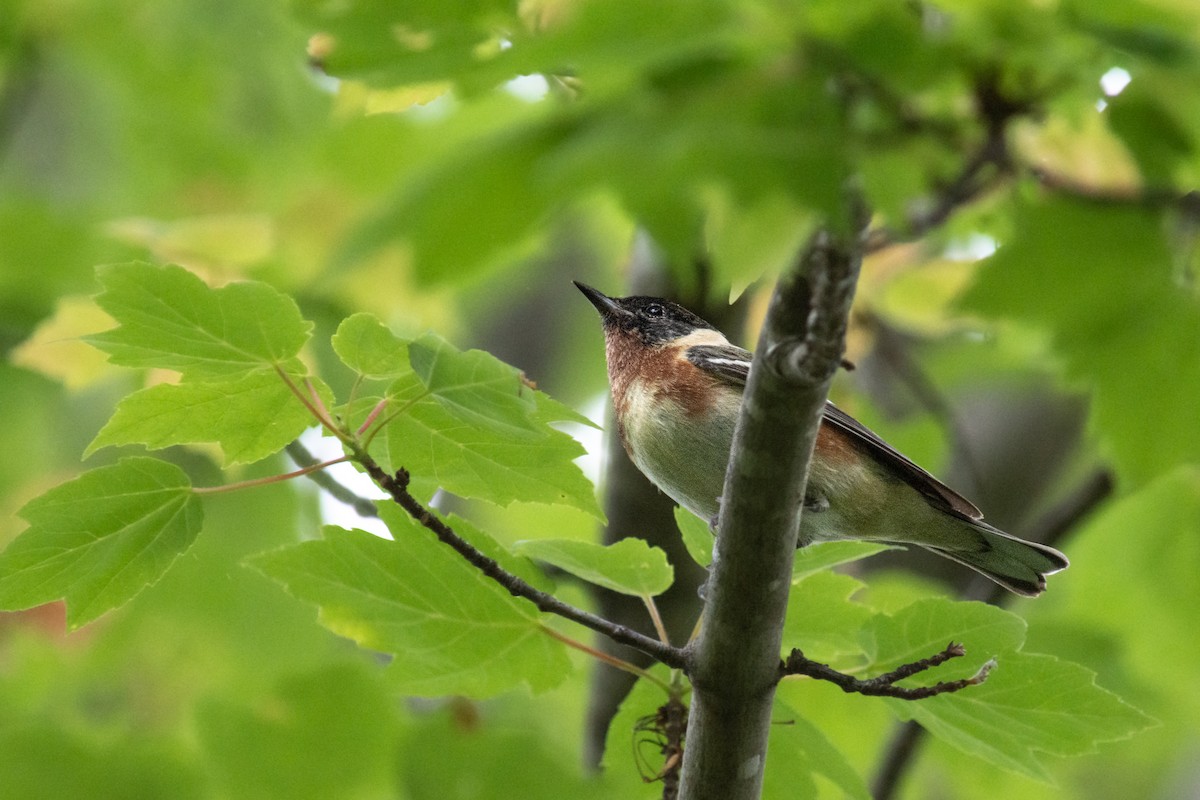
x=450, y=630
x=100, y=539
x=169, y=318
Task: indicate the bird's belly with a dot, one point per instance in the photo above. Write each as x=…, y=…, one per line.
x=686, y=456
x=824, y=526
x=683, y=455
x=860, y=502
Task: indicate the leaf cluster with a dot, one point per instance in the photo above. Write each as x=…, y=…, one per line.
x=102, y=538
x=434, y=144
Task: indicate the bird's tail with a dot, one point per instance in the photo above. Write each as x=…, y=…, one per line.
x=1015, y=564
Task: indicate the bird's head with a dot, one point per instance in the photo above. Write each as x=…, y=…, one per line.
x=654, y=321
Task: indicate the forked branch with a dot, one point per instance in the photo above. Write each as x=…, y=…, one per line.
x=885, y=685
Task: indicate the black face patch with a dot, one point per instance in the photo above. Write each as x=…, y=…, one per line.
x=655, y=320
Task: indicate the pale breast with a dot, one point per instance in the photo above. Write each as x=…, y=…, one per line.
x=682, y=449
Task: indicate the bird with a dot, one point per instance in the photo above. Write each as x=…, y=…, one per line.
x=677, y=385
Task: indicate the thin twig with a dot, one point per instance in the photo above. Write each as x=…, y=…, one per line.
x=317, y=413
x=375, y=412
x=971, y=182
x=1156, y=197
x=366, y=442
x=656, y=618
x=884, y=685
x=895, y=356
x=611, y=660
x=985, y=169
x=315, y=397
x=397, y=486
x=269, y=479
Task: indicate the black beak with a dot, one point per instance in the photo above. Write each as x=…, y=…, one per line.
x=607, y=307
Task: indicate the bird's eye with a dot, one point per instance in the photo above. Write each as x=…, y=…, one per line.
x=654, y=310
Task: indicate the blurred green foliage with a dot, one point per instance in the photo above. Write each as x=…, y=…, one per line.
x=410, y=177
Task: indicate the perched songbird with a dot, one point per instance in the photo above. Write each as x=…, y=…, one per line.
x=677, y=388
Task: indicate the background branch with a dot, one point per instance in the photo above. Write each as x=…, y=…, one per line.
x=734, y=663
x=1155, y=197
x=988, y=166
x=363, y=506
